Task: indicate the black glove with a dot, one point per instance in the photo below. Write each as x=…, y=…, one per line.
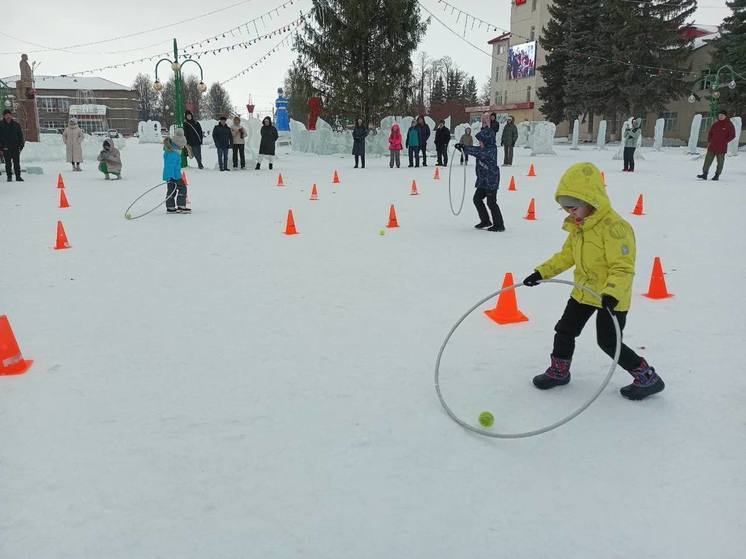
x=608, y=302
x=532, y=280
x=458, y=146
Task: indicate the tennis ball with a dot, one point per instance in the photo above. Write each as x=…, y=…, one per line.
x=382, y=232
x=486, y=419
x=128, y=216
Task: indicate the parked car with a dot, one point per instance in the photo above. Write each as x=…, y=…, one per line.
x=48, y=131
x=113, y=133
x=100, y=134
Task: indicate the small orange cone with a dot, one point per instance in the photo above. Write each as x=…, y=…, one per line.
x=414, y=189
x=290, y=226
x=63, y=200
x=603, y=178
x=511, y=187
x=314, y=193
x=506, y=311
x=184, y=178
x=393, y=222
x=280, y=182
x=638, y=207
x=657, y=288
x=11, y=359
x=336, y=180
x=436, y=176
x=531, y=215
x=60, y=182
x=531, y=170
x=61, y=238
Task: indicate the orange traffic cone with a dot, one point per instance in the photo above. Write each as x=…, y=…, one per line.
x=638, y=206
x=657, y=288
x=11, y=359
x=290, y=226
x=506, y=311
x=603, y=178
x=184, y=178
x=314, y=193
x=392, y=218
x=436, y=176
x=531, y=215
x=336, y=180
x=60, y=182
x=531, y=170
x=511, y=187
x=63, y=200
x=61, y=238
x=280, y=182
x=414, y=189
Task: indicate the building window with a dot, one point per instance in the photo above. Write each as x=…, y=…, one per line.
x=671, y=122
x=533, y=33
x=528, y=93
x=500, y=49
x=499, y=99
x=53, y=104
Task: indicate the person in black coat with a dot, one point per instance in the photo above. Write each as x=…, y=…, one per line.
x=494, y=124
x=267, y=144
x=11, y=144
x=424, y=131
x=358, y=142
x=442, y=139
x=223, y=138
x=193, y=133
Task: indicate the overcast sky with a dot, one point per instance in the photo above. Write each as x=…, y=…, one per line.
x=38, y=24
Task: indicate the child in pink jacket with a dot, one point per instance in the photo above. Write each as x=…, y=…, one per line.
x=395, y=146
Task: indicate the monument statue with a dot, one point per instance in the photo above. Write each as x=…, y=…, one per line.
x=27, y=112
x=314, y=103
x=26, y=75
x=282, y=120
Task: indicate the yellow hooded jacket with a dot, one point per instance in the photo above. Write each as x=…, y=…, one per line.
x=602, y=248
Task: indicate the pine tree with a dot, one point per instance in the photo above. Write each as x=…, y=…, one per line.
x=361, y=54
x=469, y=92
x=147, y=97
x=454, y=84
x=731, y=50
x=554, y=72
x=438, y=96
x=299, y=89
x=484, y=97
x=218, y=102
x=192, y=96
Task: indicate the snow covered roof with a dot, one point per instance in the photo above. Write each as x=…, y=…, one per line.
x=72, y=82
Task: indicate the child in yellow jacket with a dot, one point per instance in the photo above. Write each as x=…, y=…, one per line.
x=601, y=246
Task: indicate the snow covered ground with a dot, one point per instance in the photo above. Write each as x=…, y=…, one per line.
x=205, y=386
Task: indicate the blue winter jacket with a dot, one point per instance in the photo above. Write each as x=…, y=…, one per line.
x=488, y=173
x=171, y=165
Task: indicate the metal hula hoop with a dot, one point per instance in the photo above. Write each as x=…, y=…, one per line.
x=129, y=216
x=562, y=421
x=463, y=194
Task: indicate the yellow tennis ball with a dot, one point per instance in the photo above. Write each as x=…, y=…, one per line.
x=486, y=419
x=128, y=216
x=382, y=232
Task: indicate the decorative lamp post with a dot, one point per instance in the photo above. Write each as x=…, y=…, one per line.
x=177, y=67
x=713, y=83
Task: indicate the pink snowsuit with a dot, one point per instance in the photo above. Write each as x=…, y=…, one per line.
x=395, y=146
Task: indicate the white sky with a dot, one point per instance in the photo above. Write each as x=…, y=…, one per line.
x=52, y=23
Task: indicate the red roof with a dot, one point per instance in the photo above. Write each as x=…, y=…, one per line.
x=500, y=39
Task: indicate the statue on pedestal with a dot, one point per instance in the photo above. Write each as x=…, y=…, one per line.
x=282, y=120
x=25, y=94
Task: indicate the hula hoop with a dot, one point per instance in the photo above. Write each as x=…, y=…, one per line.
x=562, y=421
x=129, y=216
x=463, y=194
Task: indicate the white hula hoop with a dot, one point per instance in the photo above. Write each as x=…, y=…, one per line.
x=463, y=193
x=562, y=421
x=129, y=216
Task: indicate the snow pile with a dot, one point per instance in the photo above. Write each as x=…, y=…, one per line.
x=52, y=148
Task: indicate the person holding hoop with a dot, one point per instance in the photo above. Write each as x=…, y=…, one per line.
x=601, y=246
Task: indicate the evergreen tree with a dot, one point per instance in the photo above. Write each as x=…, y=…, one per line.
x=438, y=96
x=484, y=97
x=192, y=96
x=731, y=49
x=469, y=92
x=147, y=101
x=362, y=54
x=454, y=84
x=218, y=102
x=299, y=89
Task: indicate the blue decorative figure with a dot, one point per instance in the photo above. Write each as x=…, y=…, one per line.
x=282, y=120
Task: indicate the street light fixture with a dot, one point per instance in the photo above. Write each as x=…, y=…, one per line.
x=177, y=67
x=713, y=81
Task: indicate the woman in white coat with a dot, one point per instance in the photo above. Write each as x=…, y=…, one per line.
x=73, y=138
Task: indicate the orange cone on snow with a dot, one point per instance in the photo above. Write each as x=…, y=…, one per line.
x=657, y=288
x=414, y=189
x=511, y=187
x=280, y=182
x=531, y=170
x=290, y=225
x=531, y=215
x=61, y=238
x=184, y=178
x=336, y=180
x=393, y=222
x=60, y=182
x=314, y=193
x=436, y=176
x=11, y=359
x=63, y=200
x=506, y=311
x=603, y=178
x=638, y=206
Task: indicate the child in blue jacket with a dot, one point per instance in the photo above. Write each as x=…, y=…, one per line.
x=172, y=176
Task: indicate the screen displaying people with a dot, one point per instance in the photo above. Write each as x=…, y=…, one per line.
x=522, y=61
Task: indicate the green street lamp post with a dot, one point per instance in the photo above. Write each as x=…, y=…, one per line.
x=176, y=66
x=713, y=83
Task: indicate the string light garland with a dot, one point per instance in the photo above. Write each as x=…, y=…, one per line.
x=285, y=40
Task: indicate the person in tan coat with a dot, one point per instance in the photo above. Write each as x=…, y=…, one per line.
x=73, y=138
x=110, y=161
x=238, y=133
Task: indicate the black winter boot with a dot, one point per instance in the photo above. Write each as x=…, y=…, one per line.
x=716, y=177
x=270, y=167
x=482, y=225
x=646, y=383
x=703, y=176
x=557, y=374
x=258, y=166
x=499, y=228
